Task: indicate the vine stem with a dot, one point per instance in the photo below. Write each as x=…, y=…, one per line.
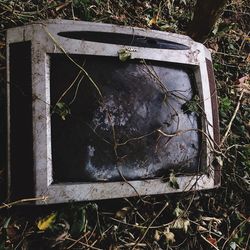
x=72, y=60
x=151, y=223
x=232, y=119
x=10, y=204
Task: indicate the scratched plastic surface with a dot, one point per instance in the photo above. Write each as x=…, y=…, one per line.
x=136, y=130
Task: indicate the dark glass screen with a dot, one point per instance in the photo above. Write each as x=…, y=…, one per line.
x=139, y=125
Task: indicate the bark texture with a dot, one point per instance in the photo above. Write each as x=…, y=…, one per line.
x=205, y=15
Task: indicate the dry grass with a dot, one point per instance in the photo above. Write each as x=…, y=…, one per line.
x=217, y=219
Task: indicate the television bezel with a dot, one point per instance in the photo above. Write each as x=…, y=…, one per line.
x=45, y=40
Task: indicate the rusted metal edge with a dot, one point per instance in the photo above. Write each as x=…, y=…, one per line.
x=215, y=111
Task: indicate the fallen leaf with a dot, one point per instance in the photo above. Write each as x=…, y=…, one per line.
x=121, y=214
x=153, y=21
x=214, y=46
x=124, y=55
x=233, y=245
x=6, y=223
x=168, y=28
x=169, y=236
x=157, y=235
x=247, y=124
x=62, y=6
x=243, y=84
x=62, y=109
x=13, y=232
x=201, y=229
x=120, y=18
x=46, y=222
x=219, y=161
x=181, y=223
x=173, y=181
x=212, y=240
x=178, y=211
x=2, y=45
x=113, y=247
x=79, y=223
x=248, y=58
x=61, y=237
x=206, y=218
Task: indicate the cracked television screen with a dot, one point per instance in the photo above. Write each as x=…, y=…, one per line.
x=131, y=120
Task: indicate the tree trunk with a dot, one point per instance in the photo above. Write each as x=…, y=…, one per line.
x=205, y=15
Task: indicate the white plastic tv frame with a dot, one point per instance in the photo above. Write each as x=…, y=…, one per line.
x=41, y=39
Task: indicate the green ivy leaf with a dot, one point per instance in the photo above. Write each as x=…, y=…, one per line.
x=124, y=55
x=191, y=106
x=233, y=245
x=79, y=223
x=173, y=181
x=62, y=109
x=178, y=211
x=225, y=104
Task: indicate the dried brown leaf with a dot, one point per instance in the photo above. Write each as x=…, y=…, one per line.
x=157, y=235
x=248, y=58
x=181, y=223
x=62, y=6
x=212, y=240
x=201, y=229
x=169, y=236
x=153, y=21
x=206, y=218
x=121, y=214
x=243, y=84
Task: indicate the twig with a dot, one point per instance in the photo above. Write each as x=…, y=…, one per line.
x=10, y=204
x=73, y=61
x=226, y=54
x=247, y=242
x=163, y=87
x=180, y=132
x=244, y=40
x=132, y=244
x=76, y=241
x=22, y=235
x=100, y=137
x=83, y=244
x=234, y=232
x=204, y=238
x=70, y=86
x=135, y=139
x=143, y=227
x=113, y=134
x=77, y=87
x=197, y=224
x=232, y=119
x=190, y=203
x=170, y=135
x=72, y=10
x=135, y=209
x=92, y=245
x=151, y=223
x=235, y=146
x=126, y=181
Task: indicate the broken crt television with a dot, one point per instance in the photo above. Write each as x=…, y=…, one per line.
x=100, y=111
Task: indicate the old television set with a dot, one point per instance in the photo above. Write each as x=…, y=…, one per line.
x=100, y=111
